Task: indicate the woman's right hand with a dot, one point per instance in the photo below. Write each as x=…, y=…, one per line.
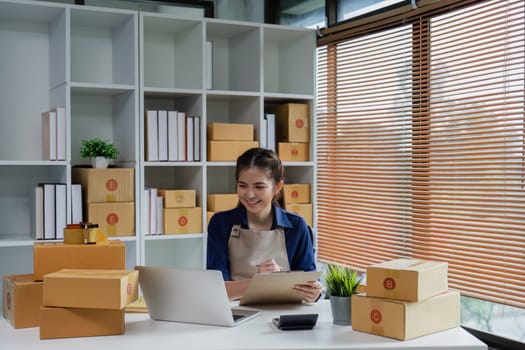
x=268, y=265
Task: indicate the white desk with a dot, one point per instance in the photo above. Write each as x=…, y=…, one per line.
x=257, y=334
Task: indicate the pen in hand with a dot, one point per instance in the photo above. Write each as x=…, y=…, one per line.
x=268, y=265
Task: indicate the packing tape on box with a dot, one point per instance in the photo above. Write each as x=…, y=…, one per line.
x=390, y=281
x=376, y=317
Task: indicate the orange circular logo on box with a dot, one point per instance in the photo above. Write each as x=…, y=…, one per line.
x=375, y=316
x=111, y=185
x=389, y=283
x=295, y=152
x=183, y=221
x=299, y=123
x=8, y=301
x=112, y=219
x=128, y=289
x=295, y=194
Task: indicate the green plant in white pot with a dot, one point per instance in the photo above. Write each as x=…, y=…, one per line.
x=341, y=282
x=99, y=151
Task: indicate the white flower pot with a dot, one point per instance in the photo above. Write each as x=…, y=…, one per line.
x=99, y=162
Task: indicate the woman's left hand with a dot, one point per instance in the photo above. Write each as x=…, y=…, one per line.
x=309, y=291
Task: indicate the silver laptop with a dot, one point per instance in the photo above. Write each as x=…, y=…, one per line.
x=190, y=296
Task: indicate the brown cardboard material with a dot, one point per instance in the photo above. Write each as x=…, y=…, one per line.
x=230, y=132
x=293, y=122
x=182, y=220
x=209, y=214
x=228, y=151
x=57, y=322
x=105, y=185
x=114, y=219
x=179, y=198
x=91, y=289
x=407, y=279
x=54, y=256
x=405, y=320
x=297, y=193
x=293, y=152
x=21, y=300
x=221, y=202
x=304, y=210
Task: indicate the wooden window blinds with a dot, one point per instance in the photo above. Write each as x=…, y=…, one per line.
x=421, y=148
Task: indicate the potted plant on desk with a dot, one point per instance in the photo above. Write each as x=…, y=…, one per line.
x=99, y=151
x=341, y=283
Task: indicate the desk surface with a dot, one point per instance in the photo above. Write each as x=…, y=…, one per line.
x=259, y=333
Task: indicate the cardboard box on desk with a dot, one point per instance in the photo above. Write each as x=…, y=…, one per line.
x=91, y=288
x=293, y=152
x=178, y=198
x=21, y=300
x=293, y=122
x=51, y=257
x=106, y=185
x=230, y=132
x=406, y=279
x=182, y=220
x=57, y=322
x=228, y=151
x=304, y=210
x=221, y=202
x=114, y=219
x=297, y=193
x=405, y=320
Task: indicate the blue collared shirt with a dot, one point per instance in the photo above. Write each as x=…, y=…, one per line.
x=296, y=234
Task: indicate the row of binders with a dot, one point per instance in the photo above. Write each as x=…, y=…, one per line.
x=50, y=209
x=54, y=134
x=268, y=132
x=153, y=202
x=172, y=136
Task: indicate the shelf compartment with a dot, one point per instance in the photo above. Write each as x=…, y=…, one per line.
x=177, y=178
x=236, y=56
x=104, y=46
x=33, y=62
x=289, y=61
x=105, y=113
x=17, y=183
x=172, y=52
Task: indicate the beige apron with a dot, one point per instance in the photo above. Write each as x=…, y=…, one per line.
x=249, y=248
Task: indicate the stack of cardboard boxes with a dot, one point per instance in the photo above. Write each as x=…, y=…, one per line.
x=220, y=202
x=109, y=197
x=24, y=296
x=406, y=298
x=181, y=214
x=297, y=200
x=293, y=131
x=227, y=141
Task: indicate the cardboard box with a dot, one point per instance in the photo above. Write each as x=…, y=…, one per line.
x=91, y=289
x=106, y=185
x=50, y=257
x=293, y=152
x=406, y=279
x=293, y=122
x=182, y=220
x=297, y=193
x=228, y=151
x=21, y=300
x=221, y=202
x=57, y=322
x=114, y=219
x=209, y=214
x=304, y=210
x=405, y=320
x=230, y=132
x=179, y=198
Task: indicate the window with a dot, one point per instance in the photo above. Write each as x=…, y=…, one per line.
x=421, y=148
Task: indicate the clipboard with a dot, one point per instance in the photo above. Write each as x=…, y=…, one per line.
x=276, y=287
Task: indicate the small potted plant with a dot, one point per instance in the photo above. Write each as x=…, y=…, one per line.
x=341, y=282
x=99, y=151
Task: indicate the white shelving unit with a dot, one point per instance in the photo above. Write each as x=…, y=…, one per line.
x=106, y=67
